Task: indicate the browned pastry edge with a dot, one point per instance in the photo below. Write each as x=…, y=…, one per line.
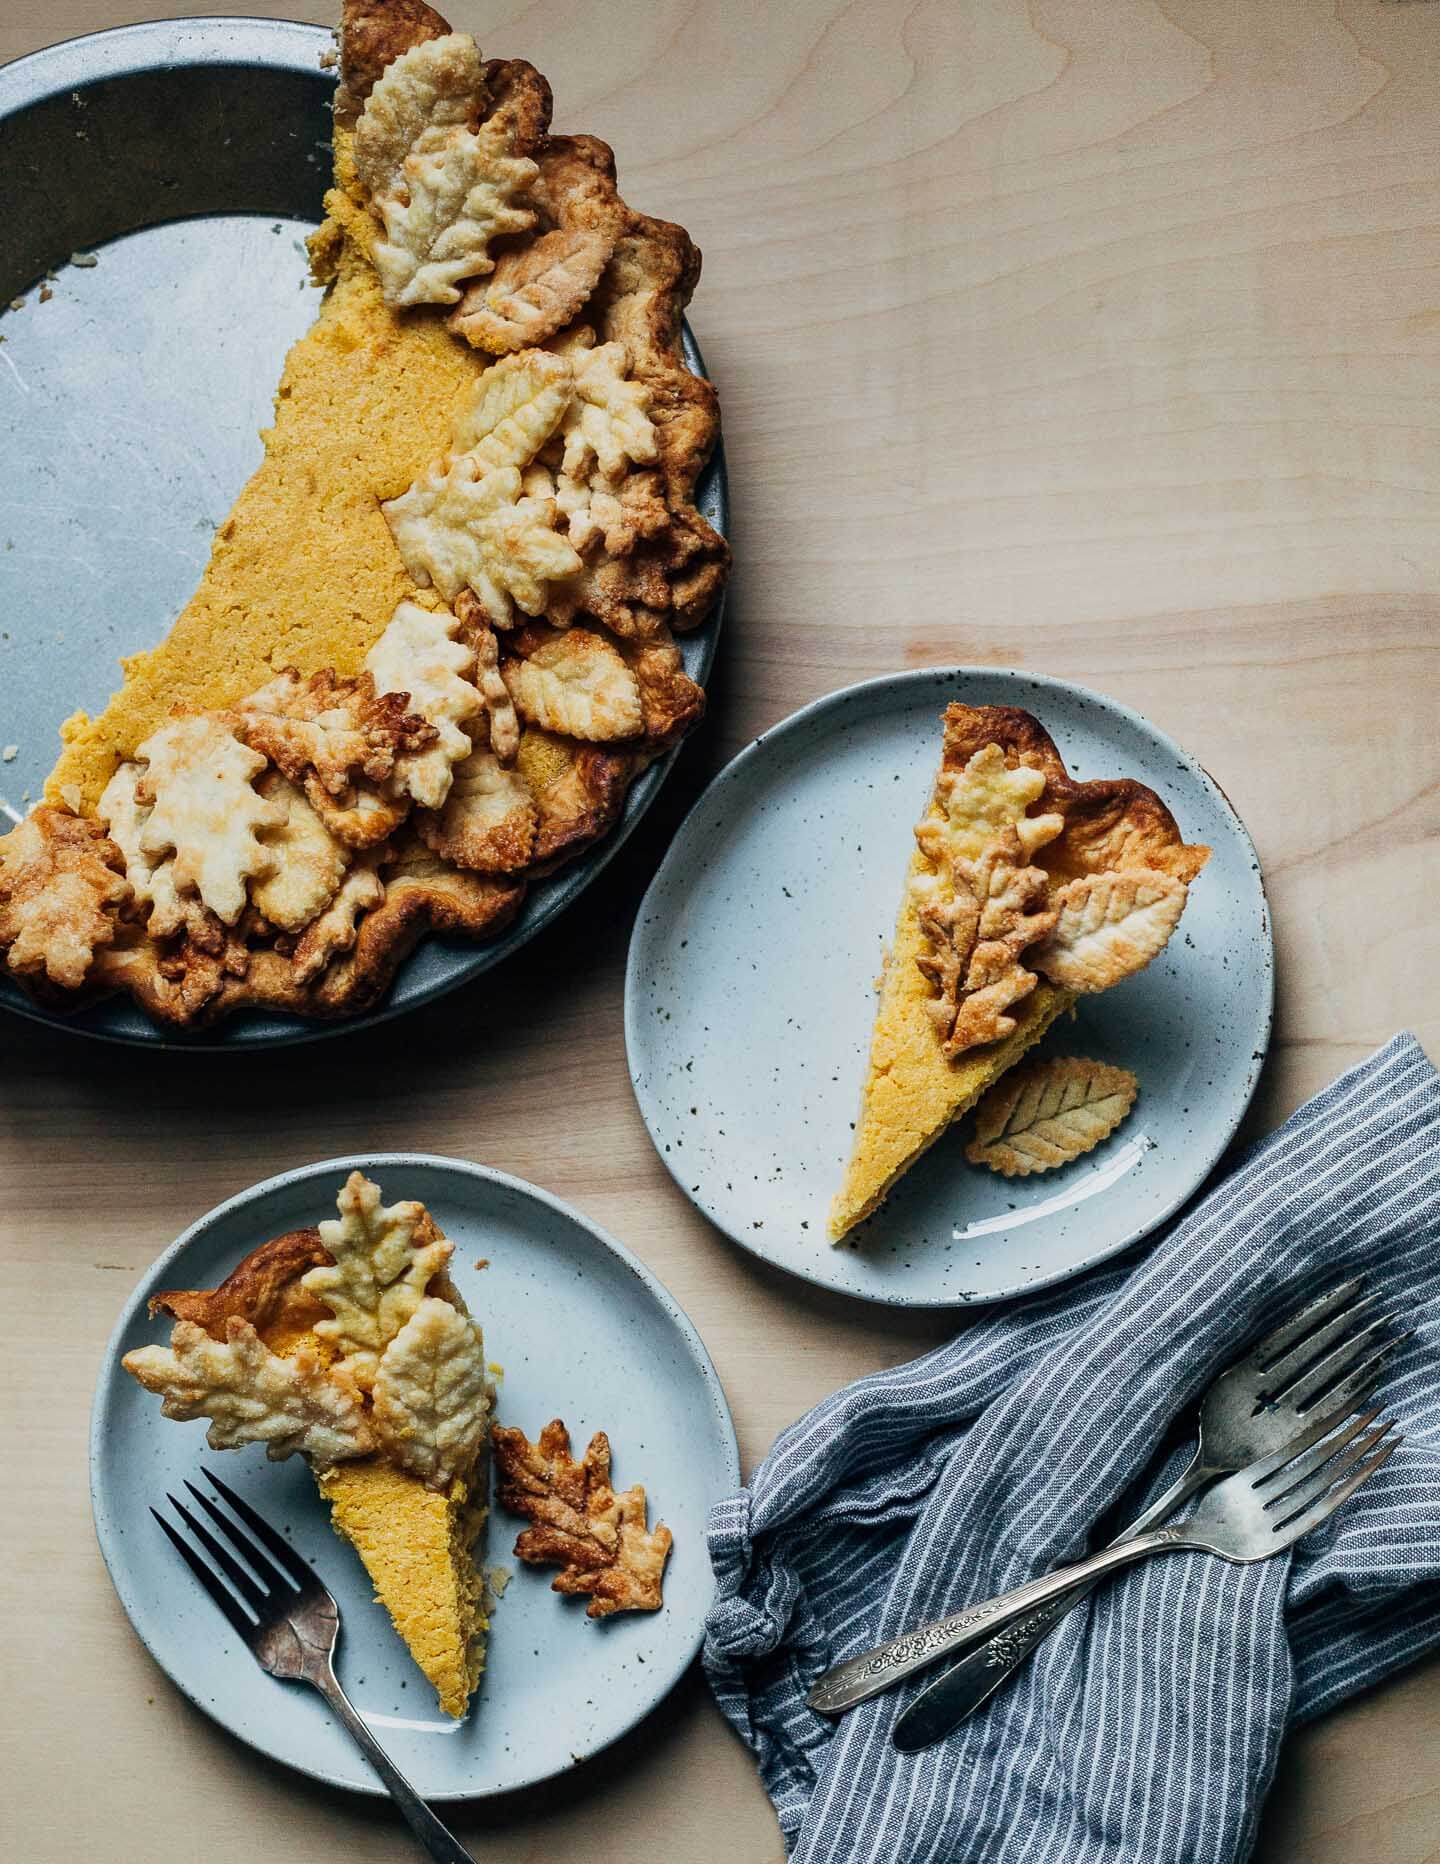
x=1111, y=822
x=264, y=1288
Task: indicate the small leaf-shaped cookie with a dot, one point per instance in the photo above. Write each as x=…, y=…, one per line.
x=432, y=1397
x=535, y=290
x=1110, y=925
x=1045, y=1113
x=384, y=1260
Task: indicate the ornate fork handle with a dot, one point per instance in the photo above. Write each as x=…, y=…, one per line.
x=877, y=1670
x=984, y=1671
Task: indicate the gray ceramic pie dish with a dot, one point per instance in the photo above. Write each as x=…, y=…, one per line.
x=189, y=157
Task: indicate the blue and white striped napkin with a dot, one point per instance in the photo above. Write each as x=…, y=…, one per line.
x=1145, y=1729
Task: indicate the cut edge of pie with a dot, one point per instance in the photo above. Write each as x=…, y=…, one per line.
x=1107, y=870
x=420, y=1545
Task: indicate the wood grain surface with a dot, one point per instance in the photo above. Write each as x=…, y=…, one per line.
x=1098, y=337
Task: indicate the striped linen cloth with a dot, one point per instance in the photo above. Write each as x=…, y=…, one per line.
x=1145, y=1729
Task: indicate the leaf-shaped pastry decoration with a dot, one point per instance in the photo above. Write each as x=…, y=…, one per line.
x=419, y=655
x=442, y=189
x=519, y=402
x=1110, y=925
x=384, y=1260
x=608, y=428
x=252, y=1395
x=334, y=729
x=432, y=1397
x=533, y=291
x=576, y=683
x=1045, y=1113
x=454, y=530
x=205, y=813
x=999, y=908
x=489, y=822
x=309, y=862
x=974, y=805
x=438, y=84
x=60, y=890
x=337, y=928
x=599, y=1539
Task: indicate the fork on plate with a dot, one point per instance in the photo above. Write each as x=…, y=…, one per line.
x=291, y=1628
x=1299, y=1383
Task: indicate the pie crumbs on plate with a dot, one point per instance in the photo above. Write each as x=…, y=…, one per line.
x=458, y=572
x=1025, y=891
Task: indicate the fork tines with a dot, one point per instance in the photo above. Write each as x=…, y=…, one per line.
x=1301, y=1486
x=1331, y=1353
x=281, y=1575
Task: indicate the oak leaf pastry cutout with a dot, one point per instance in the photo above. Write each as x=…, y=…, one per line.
x=61, y=886
x=383, y=1260
x=1045, y=1113
x=599, y=1539
x=308, y=863
x=1082, y=884
x=334, y=730
x=489, y=822
x=456, y=530
x=206, y=819
x=562, y=371
x=575, y=682
x=502, y=724
x=252, y=1395
x=442, y=189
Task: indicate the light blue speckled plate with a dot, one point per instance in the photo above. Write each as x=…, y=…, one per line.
x=749, y=999
x=584, y=1333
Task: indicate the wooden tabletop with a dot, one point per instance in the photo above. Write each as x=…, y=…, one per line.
x=1098, y=337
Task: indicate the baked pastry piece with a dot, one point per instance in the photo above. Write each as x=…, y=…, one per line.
x=436, y=638
x=1025, y=890
x=349, y=1345
x=601, y=1541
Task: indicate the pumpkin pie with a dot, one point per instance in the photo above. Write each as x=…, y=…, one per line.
x=436, y=639
x=349, y=1344
x=1026, y=889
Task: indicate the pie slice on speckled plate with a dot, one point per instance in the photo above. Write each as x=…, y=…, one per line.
x=348, y=1344
x=1026, y=890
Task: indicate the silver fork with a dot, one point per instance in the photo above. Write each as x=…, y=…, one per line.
x=293, y=1633
x=1329, y=1352
x=1249, y=1516
x=1262, y=1403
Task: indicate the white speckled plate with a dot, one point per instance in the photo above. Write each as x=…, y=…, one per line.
x=748, y=1001
x=583, y=1332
